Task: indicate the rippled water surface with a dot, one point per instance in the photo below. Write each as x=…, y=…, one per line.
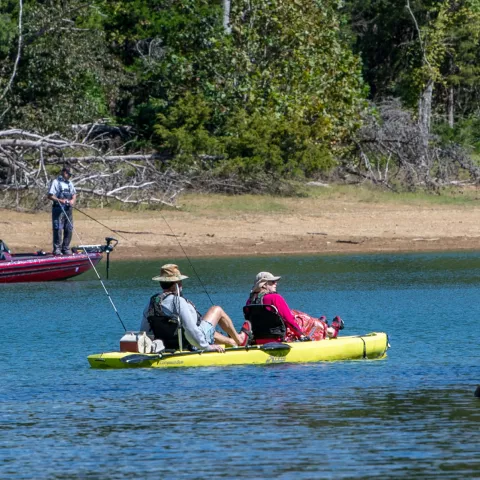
x=412, y=415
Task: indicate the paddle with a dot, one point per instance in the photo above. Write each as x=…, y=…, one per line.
x=139, y=358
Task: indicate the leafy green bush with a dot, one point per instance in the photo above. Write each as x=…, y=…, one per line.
x=247, y=144
x=466, y=132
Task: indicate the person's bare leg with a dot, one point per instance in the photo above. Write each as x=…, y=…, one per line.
x=216, y=316
x=223, y=340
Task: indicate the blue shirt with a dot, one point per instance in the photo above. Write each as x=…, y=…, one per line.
x=62, y=188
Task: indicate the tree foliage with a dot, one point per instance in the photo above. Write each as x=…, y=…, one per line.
x=284, y=73
x=282, y=91
x=65, y=75
x=402, y=49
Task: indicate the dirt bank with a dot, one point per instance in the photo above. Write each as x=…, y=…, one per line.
x=301, y=226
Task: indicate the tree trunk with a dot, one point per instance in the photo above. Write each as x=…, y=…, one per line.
x=425, y=111
x=425, y=107
x=424, y=119
x=450, y=106
x=226, y=17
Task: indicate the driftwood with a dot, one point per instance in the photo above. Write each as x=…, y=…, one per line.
x=29, y=161
x=102, y=172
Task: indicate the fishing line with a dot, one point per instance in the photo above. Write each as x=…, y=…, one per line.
x=173, y=234
x=108, y=228
x=96, y=271
x=188, y=258
x=95, y=220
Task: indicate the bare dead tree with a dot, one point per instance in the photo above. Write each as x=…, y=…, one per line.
x=425, y=100
x=390, y=150
x=28, y=162
x=103, y=172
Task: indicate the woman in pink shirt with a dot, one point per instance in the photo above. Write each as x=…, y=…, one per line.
x=300, y=326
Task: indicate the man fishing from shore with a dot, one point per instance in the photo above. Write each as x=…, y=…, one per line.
x=199, y=329
x=63, y=195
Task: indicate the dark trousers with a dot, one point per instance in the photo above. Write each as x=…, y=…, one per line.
x=62, y=227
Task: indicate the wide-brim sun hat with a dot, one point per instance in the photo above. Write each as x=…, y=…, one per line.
x=262, y=278
x=169, y=273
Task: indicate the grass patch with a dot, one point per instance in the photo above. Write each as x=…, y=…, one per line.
x=228, y=204
x=315, y=199
x=369, y=194
x=308, y=199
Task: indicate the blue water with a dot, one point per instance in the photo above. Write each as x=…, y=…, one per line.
x=412, y=415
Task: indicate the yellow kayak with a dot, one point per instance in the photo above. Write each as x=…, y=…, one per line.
x=370, y=346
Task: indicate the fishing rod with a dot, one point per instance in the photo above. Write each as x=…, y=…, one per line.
x=188, y=258
x=91, y=263
x=100, y=223
x=173, y=234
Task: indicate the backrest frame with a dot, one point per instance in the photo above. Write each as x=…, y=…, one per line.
x=266, y=321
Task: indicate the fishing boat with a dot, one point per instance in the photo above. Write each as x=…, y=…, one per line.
x=44, y=267
x=369, y=346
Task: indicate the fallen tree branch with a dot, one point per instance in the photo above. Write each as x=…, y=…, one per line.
x=123, y=200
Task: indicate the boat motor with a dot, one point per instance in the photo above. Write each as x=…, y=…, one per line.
x=110, y=244
x=108, y=248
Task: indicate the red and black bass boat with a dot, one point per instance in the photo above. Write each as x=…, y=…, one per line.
x=44, y=267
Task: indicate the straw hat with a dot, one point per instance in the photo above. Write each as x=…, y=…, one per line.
x=169, y=273
x=262, y=278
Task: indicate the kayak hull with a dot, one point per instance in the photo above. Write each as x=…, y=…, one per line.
x=370, y=346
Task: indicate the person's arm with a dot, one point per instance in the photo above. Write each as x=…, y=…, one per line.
x=188, y=316
x=52, y=193
x=286, y=314
x=52, y=196
x=73, y=201
x=145, y=325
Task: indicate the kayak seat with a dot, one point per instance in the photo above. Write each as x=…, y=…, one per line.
x=165, y=328
x=267, y=324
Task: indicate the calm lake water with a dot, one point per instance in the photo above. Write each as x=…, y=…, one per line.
x=412, y=415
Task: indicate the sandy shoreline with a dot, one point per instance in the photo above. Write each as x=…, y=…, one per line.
x=303, y=227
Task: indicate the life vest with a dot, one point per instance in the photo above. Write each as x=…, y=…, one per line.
x=165, y=327
x=266, y=326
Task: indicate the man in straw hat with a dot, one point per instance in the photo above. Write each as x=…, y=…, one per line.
x=199, y=330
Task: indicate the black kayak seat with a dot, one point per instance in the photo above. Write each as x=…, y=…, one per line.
x=166, y=328
x=266, y=321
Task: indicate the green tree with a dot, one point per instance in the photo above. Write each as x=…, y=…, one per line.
x=284, y=62
x=65, y=75
x=414, y=49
